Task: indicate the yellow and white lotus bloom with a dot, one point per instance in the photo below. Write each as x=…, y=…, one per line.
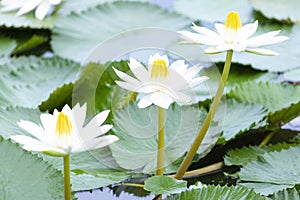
x=64, y=132
x=161, y=84
x=42, y=7
x=233, y=36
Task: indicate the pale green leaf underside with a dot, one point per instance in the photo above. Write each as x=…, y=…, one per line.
x=280, y=169
x=27, y=81
x=212, y=192
x=278, y=9
x=25, y=176
x=213, y=11
x=76, y=35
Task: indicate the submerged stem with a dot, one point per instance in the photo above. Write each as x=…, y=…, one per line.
x=67, y=177
x=193, y=150
x=161, y=141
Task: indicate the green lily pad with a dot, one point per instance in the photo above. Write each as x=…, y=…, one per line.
x=278, y=9
x=273, y=170
x=213, y=11
x=235, y=121
x=273, y=96
x=247, y=154
x=165, y=185
x=292, y=75
x=137, y=130
x=26, y=176
x=74, y=38
x=213, y=192
x=286, y=195
x=24, y=83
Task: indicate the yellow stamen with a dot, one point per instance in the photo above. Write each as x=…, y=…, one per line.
x=233, y=21
x=63, y=125
x=159, y=69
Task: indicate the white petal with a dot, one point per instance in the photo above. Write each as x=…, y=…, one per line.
x=33, y=129
x=145, y=101
x=28, y=6
x=96, y=143
x=248, y=30
x=220, y=29
x=259, y=40
x=127, y=86
x=105, y=128
x=138, y=70
x=101, y=117
x=42, y=10
x=32, y=144
x=157, y=56
x=192, y=72
x=179, y=66
x=212, y=50
x=182, y=98
x=162, y=99
x=205, y=31
x=79, y=114
x=125, y=77
x=55, y=2
x=195, y=82
x=261, y=51
x=66, y=109
x=49, y=123
x=199, y=39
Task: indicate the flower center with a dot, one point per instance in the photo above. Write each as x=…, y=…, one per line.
x=159, y=69
x=63, y=125
x=233, y=21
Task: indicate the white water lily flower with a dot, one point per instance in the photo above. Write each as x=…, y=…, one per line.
x=63, y=132
x=161, y=84
x=43, y=7
x=233, y=36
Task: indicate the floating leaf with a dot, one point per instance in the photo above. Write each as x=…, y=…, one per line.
x=165, y=185
x=26, y=176
x=283, y=116
x=247, y=154
x=27, y=81
x=137, y=130
x=274, y=170
x=278, y=9
x=6, y=47
x=271, y=95
x=236, y=113
x=212, y=192
x=286, y=195
x=292, y=75
x=76, y=35
x=213, y=11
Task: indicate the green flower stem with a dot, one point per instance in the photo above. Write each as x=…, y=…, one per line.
x=161, y=141
x=267, y=139
x=193, y=150
x=67, y=177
